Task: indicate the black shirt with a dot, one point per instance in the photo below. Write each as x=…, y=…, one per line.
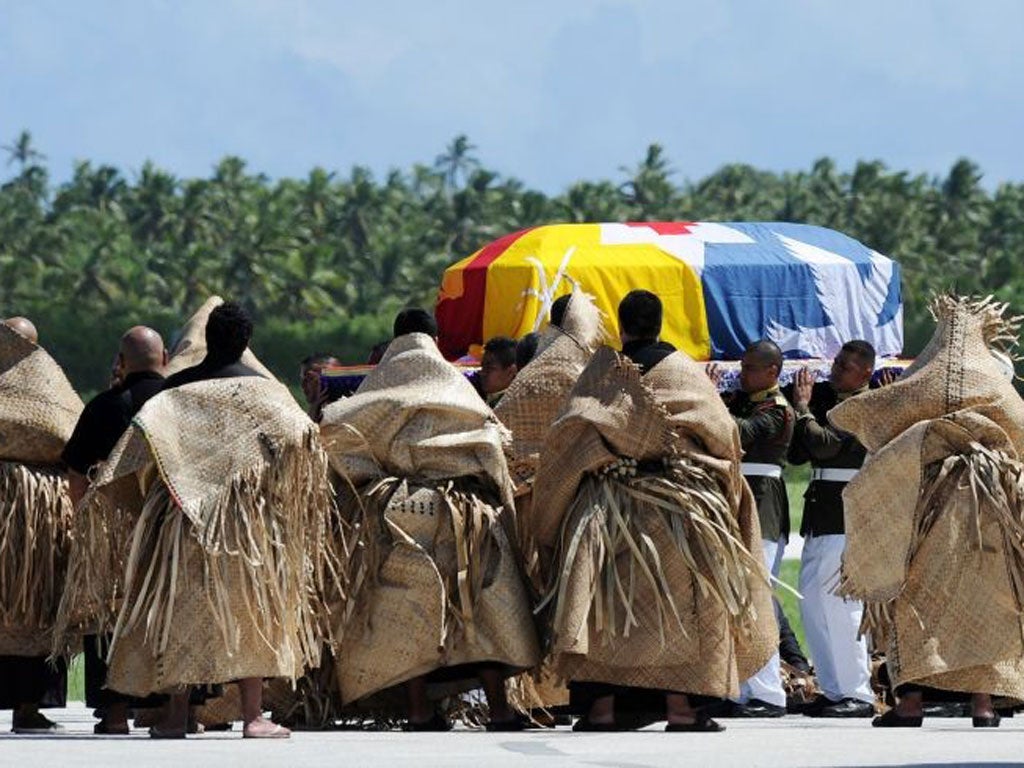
x=825, y=447
x=106, y=418
x=208, y=369
x=647, y=353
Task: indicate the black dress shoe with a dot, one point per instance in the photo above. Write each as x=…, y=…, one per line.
x=758, y=708
x=847, y=708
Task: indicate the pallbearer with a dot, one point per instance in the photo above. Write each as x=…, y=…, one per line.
x=831, y=622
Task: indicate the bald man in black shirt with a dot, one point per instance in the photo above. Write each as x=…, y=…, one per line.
x=140, y=362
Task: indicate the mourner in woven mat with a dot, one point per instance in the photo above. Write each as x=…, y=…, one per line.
x=765, y=420
x=438, y=602
x=530, y=406
x=225, y=483
x=831, y=623
x=933, y=519
x=536, y=397
x=660, y=594
x=498, y=368
x=139, y=369
x=38, y=410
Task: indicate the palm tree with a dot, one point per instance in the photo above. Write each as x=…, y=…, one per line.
x=648, y=190
x=22, y=152
x=456, y=163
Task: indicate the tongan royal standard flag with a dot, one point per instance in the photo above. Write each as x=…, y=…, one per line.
x=723, y=285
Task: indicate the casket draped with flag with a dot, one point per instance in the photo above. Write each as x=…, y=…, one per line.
x=723, y=285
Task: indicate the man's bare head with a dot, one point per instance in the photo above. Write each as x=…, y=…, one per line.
x=24, y=326
x=142, y=349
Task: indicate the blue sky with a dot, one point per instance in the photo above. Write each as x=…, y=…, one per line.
x=549, y=92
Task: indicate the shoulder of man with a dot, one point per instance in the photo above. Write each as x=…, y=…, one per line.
x=184, y=376
x=106, y=402
x=142, y=390
x=772, y=402
x=739, y=403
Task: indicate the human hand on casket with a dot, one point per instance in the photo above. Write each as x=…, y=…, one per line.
x=803, y=383
x=714, y=373
x=887, y=376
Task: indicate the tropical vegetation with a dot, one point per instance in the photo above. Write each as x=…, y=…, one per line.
x=324, y=261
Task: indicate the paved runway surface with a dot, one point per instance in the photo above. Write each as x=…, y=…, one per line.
x=793, y=741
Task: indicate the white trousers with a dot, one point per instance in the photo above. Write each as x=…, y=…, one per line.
x=766, y=685
x=831, y=623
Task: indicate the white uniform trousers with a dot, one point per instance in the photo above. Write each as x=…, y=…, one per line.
x=831, y=623
x=766, y=685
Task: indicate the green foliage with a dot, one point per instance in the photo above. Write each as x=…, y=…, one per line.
x=324, y=261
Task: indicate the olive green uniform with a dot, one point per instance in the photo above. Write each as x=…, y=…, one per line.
x=765, y=420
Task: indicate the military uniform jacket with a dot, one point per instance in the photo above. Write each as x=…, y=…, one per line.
x=765, y=420
x=825, y=447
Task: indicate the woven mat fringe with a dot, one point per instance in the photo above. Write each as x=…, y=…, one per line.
x=996, y=482
x=703, y=529
x=268, y=524
x=473, y=528
x=999, y=330
x=35, y=517
x=310, y=704
x=101, y=539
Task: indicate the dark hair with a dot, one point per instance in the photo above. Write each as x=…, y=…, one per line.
x=415, y=320
x=228, y=331
x=526, y=348
x=503, y=349
x=558, y=309
x=861, y=350
x=640, y=314
x=765, y=352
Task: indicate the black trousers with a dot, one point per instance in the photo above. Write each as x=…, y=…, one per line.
x=32, y=680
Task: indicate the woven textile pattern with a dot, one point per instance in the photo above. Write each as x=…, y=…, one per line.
x=38, y=412
x=935, y=519
x=435, y=577
x=658, y=580
x=226, y=488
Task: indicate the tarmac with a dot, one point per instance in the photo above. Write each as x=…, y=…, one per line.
x=790, y=741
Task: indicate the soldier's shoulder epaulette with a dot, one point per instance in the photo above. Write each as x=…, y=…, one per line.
x=775, y=401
